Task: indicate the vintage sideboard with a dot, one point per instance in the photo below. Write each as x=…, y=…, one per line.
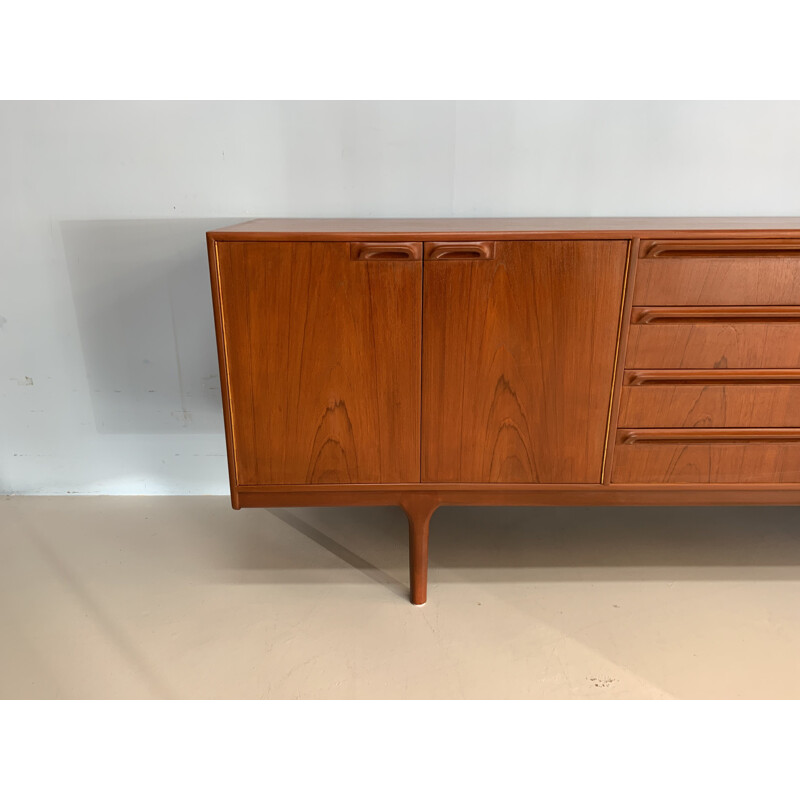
x=429, y=362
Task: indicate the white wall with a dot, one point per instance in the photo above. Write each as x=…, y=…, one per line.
x=108, y=372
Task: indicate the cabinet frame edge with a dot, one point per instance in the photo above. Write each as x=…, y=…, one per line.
x=216, y=300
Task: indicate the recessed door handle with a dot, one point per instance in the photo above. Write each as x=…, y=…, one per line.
x=690, y=315
x=720, y=248
x=386, y=251
x=459, y=251
x=704, y=377
x=633, y=436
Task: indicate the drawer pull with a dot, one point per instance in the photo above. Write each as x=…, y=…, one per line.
x=462, y=251
x=631, y=436
x=644, y=315
x=392, y=251
x=688, y=377
x=711, y=248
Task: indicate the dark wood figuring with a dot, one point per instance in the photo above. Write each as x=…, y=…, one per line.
x=723, y=345
x=323, y=363
x=518, y=360
x=552, y=362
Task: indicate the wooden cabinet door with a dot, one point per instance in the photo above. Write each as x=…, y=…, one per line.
x=518, y=359
x=322, y=351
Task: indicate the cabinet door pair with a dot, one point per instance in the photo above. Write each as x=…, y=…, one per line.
x=354, y=363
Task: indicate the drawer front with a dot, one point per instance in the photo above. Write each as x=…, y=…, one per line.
x=707, y=456
x=710, y=399
x=718, y=272
x=715, y=345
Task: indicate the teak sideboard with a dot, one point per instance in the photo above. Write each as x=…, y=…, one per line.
x=429, y=362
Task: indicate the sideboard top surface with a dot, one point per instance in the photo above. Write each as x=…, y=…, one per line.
x=376, y=229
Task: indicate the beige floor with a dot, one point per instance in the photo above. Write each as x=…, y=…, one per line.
x=184, y=598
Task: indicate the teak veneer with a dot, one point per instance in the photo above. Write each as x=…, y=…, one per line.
x=437, y=362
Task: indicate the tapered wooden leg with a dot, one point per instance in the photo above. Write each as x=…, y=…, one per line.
x=419, y=511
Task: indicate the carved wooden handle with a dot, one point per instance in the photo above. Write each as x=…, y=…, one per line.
x=688, y=377
x=645, y=315
x=706, y=435
x=386, y=251
x=719, y=248
x=462, y=251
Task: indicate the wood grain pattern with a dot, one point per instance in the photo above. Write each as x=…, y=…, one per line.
x=735, y=345
x=518, y=357
x=763, y=280
x=764, y=462
x=710, y=406
x=323, y=359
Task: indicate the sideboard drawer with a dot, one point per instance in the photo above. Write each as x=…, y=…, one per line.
x=720, y=345
x=673, y=399
x=718, y=272
x=707, y=455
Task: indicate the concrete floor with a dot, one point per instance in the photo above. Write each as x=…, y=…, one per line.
x=181, y=597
